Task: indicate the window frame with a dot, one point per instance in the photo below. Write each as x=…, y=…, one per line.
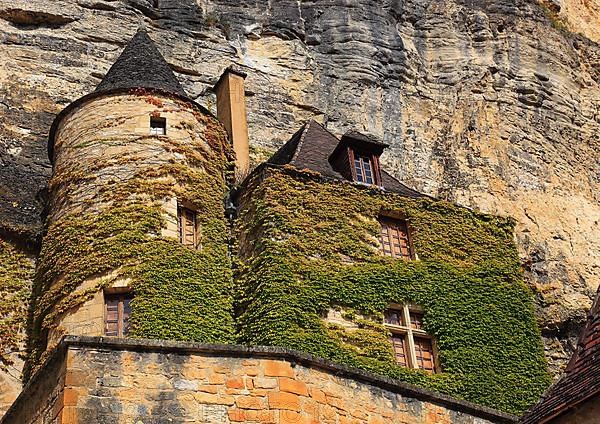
x=162, y=127
x=353, y=154
x=408, y=333
x=180, y=227
x=394, y=222
x=120, y=297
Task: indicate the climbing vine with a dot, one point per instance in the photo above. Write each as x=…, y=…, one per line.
x=115, y=235
x=16, y=273
x=307, y=246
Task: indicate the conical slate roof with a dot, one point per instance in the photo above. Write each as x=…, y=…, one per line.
x=140, y=66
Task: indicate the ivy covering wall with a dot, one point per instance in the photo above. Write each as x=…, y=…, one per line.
x=16, y=274
x=179, y=293
x=307, y=246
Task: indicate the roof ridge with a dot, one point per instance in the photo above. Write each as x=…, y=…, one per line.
x=301, y=140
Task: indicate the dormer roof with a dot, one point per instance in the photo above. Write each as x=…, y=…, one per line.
x=312, y=146
x=140, y=65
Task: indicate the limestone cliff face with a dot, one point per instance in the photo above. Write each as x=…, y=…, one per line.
x=485, y=103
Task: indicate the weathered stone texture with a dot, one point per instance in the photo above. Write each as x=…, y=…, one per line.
x=106, y=140
x=483, y=103
x=581, y=16
x=187, y=383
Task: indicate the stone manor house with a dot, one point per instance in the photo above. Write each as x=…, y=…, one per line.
x=177, y=285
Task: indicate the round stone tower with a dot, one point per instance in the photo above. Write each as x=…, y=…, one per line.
x=136, y=242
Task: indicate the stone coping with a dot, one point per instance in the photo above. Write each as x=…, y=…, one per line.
x=264, y=352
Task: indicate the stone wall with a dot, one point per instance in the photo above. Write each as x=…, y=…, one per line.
x=101, y=141
x=485, y=103
x=127, y=381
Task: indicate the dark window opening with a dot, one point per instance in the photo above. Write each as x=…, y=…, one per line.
x=394, y=317
x=158, y=125
x=394, y=238
x=117, y=312
x=187, y=225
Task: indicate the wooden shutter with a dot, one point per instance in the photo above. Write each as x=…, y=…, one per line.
x=416, y=320
x=424, y=353
x=394, y=238
x=187, y=227
x=399, y=346
x=117, y=312
x=111, y=322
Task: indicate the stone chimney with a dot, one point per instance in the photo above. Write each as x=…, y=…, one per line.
x=231, y=111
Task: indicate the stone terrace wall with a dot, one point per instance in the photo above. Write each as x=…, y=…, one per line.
x=126, y=381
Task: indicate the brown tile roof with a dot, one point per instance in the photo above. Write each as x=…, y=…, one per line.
x=311, y=147
x=581, y=380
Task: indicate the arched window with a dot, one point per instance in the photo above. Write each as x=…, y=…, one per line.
x=413, y=346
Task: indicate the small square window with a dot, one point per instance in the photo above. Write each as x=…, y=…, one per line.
x=187, y=222
x=394, y=317
x=158, y=125
x=117, y=309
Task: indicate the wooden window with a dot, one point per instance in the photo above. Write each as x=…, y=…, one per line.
x=116, y=315
x=399, y=345
x=363, y=167
x=424, y=353
x=395, y=239
x=412, y=346
x=158, y=125
x=188, y=227
x=394, y=317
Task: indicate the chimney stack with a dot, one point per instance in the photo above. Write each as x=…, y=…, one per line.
x=231, y=111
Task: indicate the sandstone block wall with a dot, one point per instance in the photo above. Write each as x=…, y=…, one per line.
x=123, y=381
x=108, y=139
x=104, y=140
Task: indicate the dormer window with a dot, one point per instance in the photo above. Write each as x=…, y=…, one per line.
x=356, y=157
x=363, y=168
x=158, y=125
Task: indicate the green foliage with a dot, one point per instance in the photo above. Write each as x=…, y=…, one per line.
x=16, y=273
x=179, y=293
x=309, y=246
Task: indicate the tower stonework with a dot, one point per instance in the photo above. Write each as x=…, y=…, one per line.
x=128, y=159
x=355, y=298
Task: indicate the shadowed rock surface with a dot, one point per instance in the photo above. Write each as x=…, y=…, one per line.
x=488, y=103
